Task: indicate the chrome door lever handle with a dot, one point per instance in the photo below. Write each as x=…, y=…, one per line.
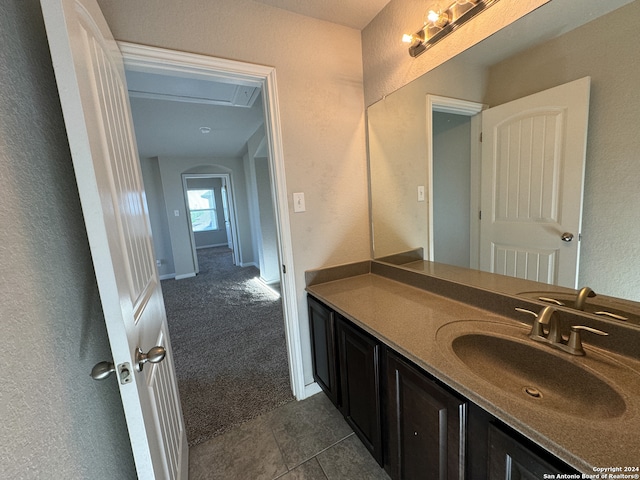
x=102, y=370
x=155, y=355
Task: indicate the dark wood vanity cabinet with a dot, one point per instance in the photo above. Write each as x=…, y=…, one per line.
x=425, y=425
x=323, y=348
x=359, y=365
x=509, y=458
x=346, y=364
x=413, y=425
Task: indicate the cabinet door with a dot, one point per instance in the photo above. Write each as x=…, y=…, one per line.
x=323, y=348
x=360, y=387
x=511, y=460
x=426, y=436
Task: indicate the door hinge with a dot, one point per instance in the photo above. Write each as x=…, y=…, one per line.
x=480, y=136
x=480, y=215
x=284, y=269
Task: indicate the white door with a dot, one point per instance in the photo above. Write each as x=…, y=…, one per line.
x=533, y=160
x=225, y=209
x=93, y=94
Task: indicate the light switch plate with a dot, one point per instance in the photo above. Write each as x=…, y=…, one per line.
x=421, y=193
x=298, y=202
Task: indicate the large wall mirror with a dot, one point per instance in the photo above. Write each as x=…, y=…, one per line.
x=410, y=147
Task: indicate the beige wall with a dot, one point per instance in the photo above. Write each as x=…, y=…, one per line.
x=387, y=64
x=319, y=74
x=55, y=421
x=604, y=50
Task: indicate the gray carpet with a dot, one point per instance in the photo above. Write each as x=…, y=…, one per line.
x=229, y=348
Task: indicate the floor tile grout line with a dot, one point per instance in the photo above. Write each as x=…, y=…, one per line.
x=324, y=472
x=275, y=438
x=310, y=458
x=324, y=449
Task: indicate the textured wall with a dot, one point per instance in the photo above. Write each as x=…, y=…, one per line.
x=56, y=422
x=386, y=62
x=603, y=49
x=319, y=75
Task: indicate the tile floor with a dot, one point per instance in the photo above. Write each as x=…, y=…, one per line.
x=306, y=440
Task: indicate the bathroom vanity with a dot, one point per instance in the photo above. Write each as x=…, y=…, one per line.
x=440, y=379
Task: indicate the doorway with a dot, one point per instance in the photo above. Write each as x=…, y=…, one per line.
x=160, y=61
x=212, y=213
x=444, y=203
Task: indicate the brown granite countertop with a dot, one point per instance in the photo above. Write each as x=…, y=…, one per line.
x=420, y=326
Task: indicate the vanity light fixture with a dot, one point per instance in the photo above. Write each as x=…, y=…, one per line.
x=442, y=18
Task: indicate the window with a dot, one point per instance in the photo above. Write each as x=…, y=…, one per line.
x=202, y=207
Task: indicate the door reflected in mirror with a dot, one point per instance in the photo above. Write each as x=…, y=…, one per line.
x=536, y=53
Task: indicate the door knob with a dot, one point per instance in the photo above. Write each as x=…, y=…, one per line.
x=155, y=355
x=566, y=237
x=102, y=370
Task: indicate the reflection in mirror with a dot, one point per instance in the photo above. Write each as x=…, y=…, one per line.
x=558, y=43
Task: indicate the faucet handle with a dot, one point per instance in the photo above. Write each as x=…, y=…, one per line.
x=574, y=345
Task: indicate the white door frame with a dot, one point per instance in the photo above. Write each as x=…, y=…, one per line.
x=158, y=60
x=437, y=103
x=226, y=179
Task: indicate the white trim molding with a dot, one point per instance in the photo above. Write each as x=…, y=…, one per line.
x=436, y=103
x=152, y=59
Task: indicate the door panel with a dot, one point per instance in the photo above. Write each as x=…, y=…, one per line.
x=533, y=162
x=93, y=94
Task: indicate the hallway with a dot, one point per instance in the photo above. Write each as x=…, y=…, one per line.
x=227, y=334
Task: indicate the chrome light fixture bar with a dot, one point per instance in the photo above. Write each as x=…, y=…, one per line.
x=441, y=19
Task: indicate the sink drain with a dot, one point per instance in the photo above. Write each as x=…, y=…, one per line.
x=532, y=392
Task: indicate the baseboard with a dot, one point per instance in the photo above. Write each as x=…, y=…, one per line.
x=212, y=246
x=249, y=264
x=310, y=390
x=185, y=275
x=167, y=276
x=270, y=283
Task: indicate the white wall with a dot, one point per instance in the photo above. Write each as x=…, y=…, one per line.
x=56, y=422
x=158, y=216
x=319, y=74
x=269, y=260
x=261, y=207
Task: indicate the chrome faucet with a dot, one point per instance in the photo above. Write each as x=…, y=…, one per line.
x=581, y=299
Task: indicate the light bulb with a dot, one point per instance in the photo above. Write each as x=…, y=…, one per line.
x=437, y=15
x=415, y=40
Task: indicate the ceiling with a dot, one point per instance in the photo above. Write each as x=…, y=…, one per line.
x=350, y=13
x=176, y=116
